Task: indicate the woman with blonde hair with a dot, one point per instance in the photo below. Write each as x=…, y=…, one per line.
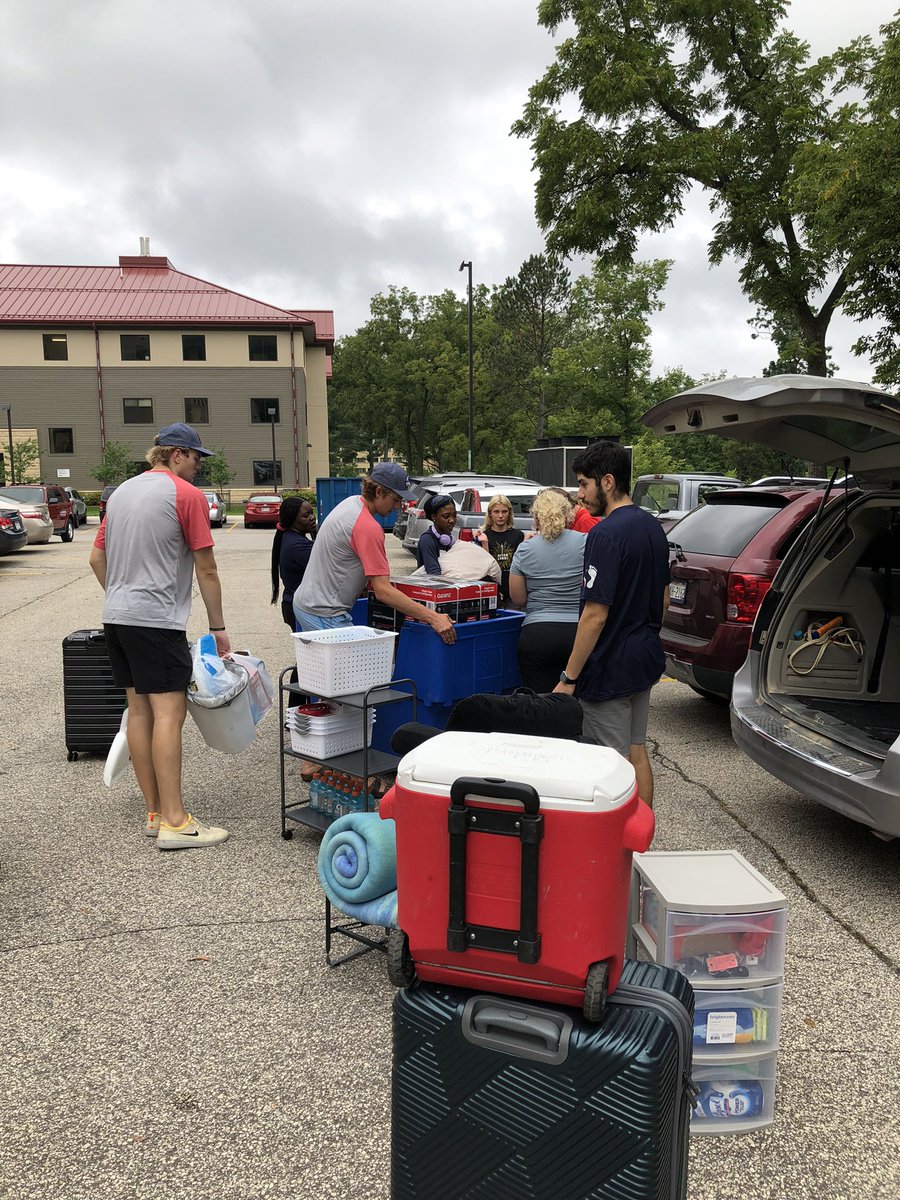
x=545, y=581
x=500, y=538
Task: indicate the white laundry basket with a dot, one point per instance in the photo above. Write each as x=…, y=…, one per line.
x=338, y=662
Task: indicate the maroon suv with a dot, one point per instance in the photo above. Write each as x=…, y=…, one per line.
x=58, y=501
x=725, y=555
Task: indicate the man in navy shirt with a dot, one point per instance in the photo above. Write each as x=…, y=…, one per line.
x=617, y=655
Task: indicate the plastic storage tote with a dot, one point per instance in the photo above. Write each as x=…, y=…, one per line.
x=514, y=878
x=482, y=659
x=320, y=736
x=339, y=662
x=733, y=1097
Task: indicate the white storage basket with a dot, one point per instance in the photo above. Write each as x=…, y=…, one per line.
x=338, y=741
x=339, y=662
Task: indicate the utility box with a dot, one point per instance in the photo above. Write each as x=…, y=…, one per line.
x=330, y=492
x=550, y=461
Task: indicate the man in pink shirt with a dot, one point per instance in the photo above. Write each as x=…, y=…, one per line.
x=154, y=536
x=349, y=549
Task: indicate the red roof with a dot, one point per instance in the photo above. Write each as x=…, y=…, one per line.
x=144, y=290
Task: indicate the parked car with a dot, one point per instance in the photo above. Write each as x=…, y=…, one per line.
x=104, y=498
x=817, y=701
x=472, y=509
x=670, y=496
x=411, y=521
x=788, y=481
x=36, y=518
x=13, y=535
x=55, y=498
x=79, y=505
x=262, y=509
x=218, y=510
x=726, y=552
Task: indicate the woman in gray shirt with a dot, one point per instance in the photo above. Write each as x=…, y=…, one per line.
x=545, y=581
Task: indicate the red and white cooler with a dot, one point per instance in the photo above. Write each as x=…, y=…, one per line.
x=514, y=865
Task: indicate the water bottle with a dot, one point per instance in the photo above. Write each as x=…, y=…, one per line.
x=314, y=786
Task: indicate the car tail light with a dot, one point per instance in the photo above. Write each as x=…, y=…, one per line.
x=745, y=594
x=416, y=513
x=466, y=535
x=6, y=523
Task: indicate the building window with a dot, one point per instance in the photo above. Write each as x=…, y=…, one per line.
x=263, y=347
x=260, y=411
x=193, y=347
x=62, y=441
x=262, y=473
x=56, y=347
x=196, y=410
x=135, y=347
x=137, y=410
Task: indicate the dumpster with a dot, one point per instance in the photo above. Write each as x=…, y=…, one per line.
x=330, y=492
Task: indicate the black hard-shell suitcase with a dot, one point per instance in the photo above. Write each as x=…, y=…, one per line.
x=500, y=1099
x=93, y=704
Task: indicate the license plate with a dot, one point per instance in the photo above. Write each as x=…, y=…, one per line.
x=677, y=591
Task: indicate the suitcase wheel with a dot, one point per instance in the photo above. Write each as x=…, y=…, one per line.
x=596, y=991
x=72, y=755
x=400, y=967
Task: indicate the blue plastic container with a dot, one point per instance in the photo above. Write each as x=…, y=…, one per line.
x=482, y=659
x=392, y=716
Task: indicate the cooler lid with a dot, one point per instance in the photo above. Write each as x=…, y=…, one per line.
x=566, y=775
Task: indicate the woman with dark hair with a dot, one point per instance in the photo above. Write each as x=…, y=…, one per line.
x=441, y=511
x=291, y=549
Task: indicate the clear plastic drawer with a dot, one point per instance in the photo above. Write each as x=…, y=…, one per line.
x=736, y=1023
x=733, y=1097
x=726, y=949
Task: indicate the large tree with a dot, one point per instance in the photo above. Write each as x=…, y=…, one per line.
x=674, y=95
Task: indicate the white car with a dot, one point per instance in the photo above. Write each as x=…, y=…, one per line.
x=817, y=701
x=36, y=519
x=78, y=505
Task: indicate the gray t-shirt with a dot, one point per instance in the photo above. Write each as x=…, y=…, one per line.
x=348, y=550
x=552, y=572
x=153, y=524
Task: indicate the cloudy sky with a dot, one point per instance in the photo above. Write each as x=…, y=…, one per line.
x=312, y=154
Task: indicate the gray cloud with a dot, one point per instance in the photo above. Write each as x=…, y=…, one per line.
x=314, y=155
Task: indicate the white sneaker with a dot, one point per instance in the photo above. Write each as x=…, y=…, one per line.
x=151, y=828
x=192, y=835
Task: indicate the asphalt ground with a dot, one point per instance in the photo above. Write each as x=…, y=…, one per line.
x=170, y=1028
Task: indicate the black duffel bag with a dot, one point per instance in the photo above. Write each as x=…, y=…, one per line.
x=551, y=714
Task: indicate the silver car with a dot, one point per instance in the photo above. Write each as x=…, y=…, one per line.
x=35, y=517
x=79, y=506
x=817, y=701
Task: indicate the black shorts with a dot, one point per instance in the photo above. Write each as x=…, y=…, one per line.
x=149, y=660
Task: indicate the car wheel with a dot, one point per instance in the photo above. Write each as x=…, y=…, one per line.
x=69, y=532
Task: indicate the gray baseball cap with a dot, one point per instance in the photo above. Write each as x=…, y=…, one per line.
x=392, y=476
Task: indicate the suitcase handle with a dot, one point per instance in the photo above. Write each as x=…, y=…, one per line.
x=528, y=827
x=523, y=1030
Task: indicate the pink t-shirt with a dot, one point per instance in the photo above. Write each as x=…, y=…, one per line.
x=153, y=524
x=348, y=550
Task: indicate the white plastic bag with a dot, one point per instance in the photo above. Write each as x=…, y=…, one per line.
x=262, y=693
x=212, y=676
x=118, y=759
x=466, y=562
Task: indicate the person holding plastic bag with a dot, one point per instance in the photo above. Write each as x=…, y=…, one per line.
x=154, y=537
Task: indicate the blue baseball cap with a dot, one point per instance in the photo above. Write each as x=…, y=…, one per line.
x=392, y=476
x=183, y=436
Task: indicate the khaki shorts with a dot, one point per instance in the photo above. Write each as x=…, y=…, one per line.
x=619, y=723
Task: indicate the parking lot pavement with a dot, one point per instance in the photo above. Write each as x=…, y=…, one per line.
x=171, y=1029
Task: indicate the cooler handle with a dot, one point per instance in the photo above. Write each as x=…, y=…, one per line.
x=639, y=828
x=522, y=1030
x=528, y=827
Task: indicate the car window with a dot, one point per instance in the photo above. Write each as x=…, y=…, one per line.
x=264, y=500
x=706, y=488
x=658, y=495
x=521, y=505
x=722, y=529
x=29, y=495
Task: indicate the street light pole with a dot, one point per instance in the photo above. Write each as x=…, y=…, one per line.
x=272, y=412
x=12, y=465
x=468, y=266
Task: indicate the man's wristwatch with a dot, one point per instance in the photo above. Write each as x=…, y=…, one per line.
x=564, y=678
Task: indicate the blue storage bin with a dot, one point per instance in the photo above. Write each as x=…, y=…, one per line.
x=392, y=716
x=483, y=659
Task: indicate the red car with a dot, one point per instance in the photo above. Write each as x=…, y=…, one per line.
x=262, y=509
x=725, y=555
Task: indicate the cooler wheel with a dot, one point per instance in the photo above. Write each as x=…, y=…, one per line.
x=596, y=991
x=400, y=967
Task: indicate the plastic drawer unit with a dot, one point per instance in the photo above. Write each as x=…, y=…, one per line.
x=736, y=1023
x=711, y=915
x=733, y=1097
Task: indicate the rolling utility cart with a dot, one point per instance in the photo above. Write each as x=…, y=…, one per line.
x=713, y=916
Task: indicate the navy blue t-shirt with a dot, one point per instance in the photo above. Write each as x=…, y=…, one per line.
x=626, y=566
x=295, y=551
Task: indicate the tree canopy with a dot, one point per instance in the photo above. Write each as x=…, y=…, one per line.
x=673, y=96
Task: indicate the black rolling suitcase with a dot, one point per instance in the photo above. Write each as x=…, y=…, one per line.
x=500, y=1099
x=93, y=704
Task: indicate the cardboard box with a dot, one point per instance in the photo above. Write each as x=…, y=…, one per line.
x=461, y=601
